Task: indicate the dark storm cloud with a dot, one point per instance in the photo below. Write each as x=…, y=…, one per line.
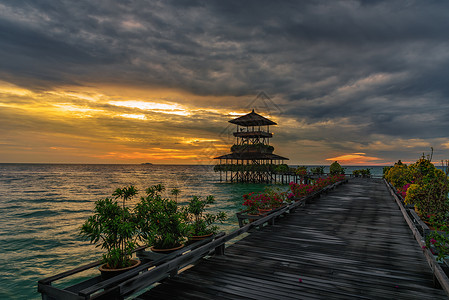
x=382, y=66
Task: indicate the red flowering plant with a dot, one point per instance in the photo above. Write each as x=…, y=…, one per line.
x=263, y=201
x=302, y=190
x=269, y=199
x=403, y=190
x=251, y=204
x=321, y=183
x=337, y=178
x=301, y=171
x=299, y=190
x=438, y=244
x=276, y=197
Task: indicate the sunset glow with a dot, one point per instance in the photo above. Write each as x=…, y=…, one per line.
x=355, y=159
x=153, y=106
x=158, y=82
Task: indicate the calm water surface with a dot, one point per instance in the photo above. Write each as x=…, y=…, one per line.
x=43, y=206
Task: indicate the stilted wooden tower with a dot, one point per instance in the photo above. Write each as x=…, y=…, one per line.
x=252, y=158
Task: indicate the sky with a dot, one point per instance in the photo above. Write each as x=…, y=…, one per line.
x=361, y=82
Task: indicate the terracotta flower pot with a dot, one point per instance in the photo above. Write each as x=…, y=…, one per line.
x=263, y=211
x=199, y=237
x=107, y=273
x=166, y=251
x=250, y=220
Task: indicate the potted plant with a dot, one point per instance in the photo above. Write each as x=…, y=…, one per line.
x=161, y=223
x=276, y=197
x=200, y=224
x=263, y=202
x=113, y=227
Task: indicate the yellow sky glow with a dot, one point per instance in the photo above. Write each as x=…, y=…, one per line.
x=175, y=109
x=109, y=124
x=134, y=116
x=354, y=158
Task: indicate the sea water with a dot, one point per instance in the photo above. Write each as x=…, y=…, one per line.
x=43, y=206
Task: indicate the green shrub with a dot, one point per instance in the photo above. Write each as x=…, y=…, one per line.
x=362, y=172
x=399, y=175
x=162, y=224
x=301, y=171
x=317, y=170
x=336, y=169
x=113, y=227
x=199, y=222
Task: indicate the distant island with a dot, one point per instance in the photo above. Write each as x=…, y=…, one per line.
x=146, y=164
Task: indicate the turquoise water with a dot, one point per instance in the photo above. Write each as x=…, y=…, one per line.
x=43, y=207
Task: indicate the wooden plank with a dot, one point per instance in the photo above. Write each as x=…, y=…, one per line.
x=346, y=244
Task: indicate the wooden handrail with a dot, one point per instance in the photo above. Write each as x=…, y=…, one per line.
x=82, y=268
x=109, y=283
x=138, y=278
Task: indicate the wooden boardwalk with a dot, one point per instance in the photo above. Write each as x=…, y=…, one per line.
x=352, y=243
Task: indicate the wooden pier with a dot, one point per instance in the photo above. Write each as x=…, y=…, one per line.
x=352, y=243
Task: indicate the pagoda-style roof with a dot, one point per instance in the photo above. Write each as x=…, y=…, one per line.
x=252, y=119
x=251, y=155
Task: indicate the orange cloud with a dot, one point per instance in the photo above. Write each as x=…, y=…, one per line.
x=354, y=158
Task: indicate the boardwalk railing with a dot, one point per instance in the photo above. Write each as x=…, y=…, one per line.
x=420, y=231
x=155, y=268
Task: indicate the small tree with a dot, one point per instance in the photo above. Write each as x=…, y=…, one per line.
x=399, y=175
x=113, y=227
x=175, y=192
x=201, y=223
x=318, y=170
x=336, y=169
x=161, y=223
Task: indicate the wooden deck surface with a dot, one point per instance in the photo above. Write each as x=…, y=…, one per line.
x=352, y=243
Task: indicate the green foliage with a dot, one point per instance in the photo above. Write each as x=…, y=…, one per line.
x=252, y=168
x=259, y=147
x=427, y=190
x=399, y=175
x=113, y=227
x=199, y=222
x=423, y=169
x=282, y=168
x=385, y=170
x=160, y=222
x=438, y=243
x=336, y=169
x=362, y=173
x=439, y=220
x=430, y=195
x=175, y=192
x=317, y=170
x=301, y=171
